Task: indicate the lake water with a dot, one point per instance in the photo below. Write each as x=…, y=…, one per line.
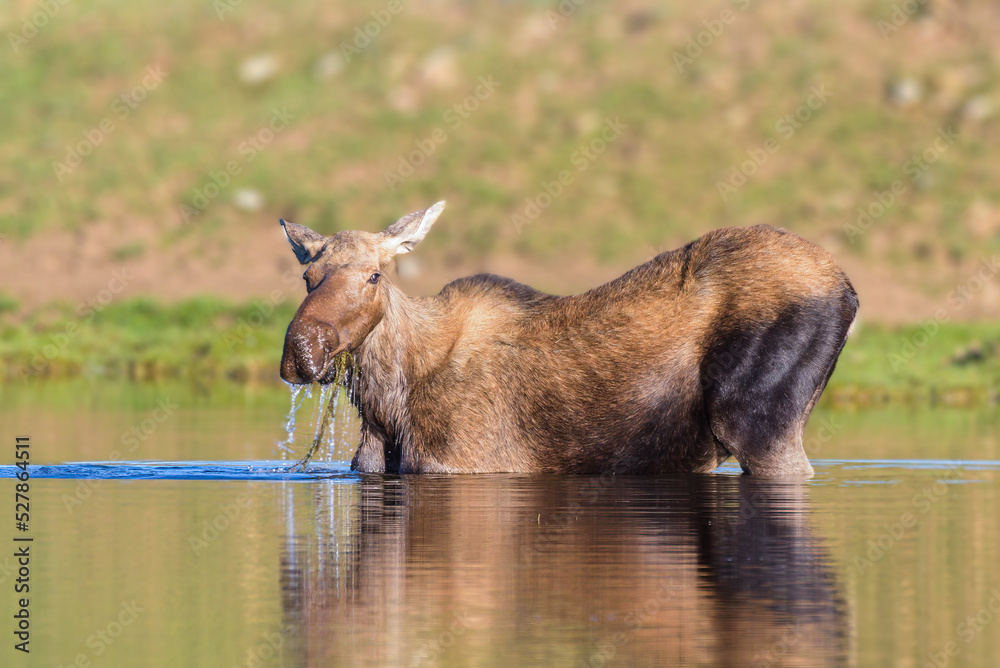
x=204, y=551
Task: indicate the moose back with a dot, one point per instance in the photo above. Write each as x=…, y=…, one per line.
x=718, y=349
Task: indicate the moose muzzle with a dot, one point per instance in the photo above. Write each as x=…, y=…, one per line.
x=310, y=349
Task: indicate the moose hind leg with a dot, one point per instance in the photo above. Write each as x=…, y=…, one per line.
x=762, y=384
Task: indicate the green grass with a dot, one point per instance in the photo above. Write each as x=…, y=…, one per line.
x=207, y=338
x=950, y=363
x=652, y=188
x=557, y=86
x=142, y=339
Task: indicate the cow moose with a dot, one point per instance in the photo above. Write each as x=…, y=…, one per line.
x=719, y=348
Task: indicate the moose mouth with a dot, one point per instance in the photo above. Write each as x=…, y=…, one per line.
x=333, y=371
x=326, y=367
x=308, y=358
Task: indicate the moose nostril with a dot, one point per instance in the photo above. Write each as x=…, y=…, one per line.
x=289, y=368
x=309, y=351
x=299, y=368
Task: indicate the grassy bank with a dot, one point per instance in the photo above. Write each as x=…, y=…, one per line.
x=142, y=339
x=208, y=338
x=381, y=126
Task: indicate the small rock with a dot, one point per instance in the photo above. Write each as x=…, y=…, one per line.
x=248, y=199
x=904, y=92
x=259, y=69
x=976, y=108
x=439, y=68
x=640, y=21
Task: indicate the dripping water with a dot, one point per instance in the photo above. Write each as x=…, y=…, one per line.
x=285, y=447
x=329, y=446
x=324, y=444
x=320, y=415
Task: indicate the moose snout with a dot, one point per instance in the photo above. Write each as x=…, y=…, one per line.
x=309, y=349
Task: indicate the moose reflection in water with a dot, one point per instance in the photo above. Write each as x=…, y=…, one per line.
x=589, y=571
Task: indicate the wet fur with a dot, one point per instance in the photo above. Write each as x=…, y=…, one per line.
x=719, y=348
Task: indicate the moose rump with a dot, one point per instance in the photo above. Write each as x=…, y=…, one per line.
x=720, y=348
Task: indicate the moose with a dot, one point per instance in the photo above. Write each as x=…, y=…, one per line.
x=718, y=349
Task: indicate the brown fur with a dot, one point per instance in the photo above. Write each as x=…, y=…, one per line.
x=667, y=368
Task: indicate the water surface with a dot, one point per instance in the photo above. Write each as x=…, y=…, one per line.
x=198, y=547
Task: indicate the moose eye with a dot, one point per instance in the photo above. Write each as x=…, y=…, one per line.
x=374, y=278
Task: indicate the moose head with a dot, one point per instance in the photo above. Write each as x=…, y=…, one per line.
x=346, y=293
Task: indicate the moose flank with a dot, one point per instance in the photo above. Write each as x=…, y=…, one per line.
x=718, y=349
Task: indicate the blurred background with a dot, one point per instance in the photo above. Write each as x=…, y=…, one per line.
x=150, y=149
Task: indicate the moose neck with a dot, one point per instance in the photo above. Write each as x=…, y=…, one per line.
x=408, y=344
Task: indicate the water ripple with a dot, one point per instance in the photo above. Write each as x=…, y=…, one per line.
x=193, y=470
x=279, y=470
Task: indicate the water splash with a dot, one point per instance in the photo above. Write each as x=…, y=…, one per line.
x=285, y=447
x=325, y=412
x=329, y=447
x=322, y=417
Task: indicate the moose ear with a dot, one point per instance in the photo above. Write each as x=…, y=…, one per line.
x=408, y=231
x=306, y=244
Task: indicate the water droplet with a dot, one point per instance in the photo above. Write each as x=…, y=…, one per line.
x=286, y=447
